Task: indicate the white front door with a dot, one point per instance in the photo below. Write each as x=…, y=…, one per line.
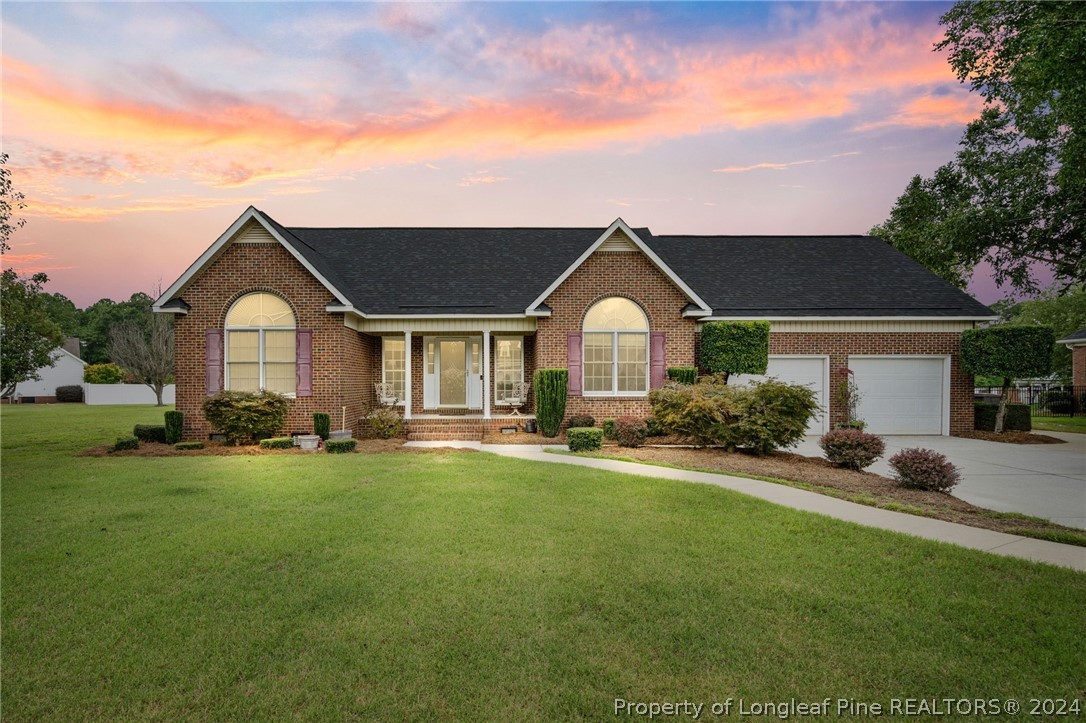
x=453, y=372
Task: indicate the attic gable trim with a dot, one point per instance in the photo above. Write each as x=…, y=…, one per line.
x=619, y=224
x=213, y=251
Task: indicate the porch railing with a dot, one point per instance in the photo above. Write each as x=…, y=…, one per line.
x=1047, y=401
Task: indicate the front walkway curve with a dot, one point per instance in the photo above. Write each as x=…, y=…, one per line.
x=998, y=543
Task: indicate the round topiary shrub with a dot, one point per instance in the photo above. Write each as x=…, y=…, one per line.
x=581, y=420
x=630, y=431
x=103, y=374
x=924, y=469
x=852, y=448
x=69, y=393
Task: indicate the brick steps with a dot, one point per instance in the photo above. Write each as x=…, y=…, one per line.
x=440, y=430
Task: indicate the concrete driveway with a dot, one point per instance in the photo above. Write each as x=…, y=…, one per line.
x=1044, y=480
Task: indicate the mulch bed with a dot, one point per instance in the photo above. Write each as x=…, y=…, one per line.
x=1011, y=437
x=847, y=484
x=217, y=449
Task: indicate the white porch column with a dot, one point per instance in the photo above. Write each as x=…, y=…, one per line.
x=486, y=372
x=407, y=374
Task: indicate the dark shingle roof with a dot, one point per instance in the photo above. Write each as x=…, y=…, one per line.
x=1079, y=335
x=491, y=271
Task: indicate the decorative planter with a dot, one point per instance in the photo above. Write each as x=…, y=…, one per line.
x=340, y=434
x=308, y=441
x=530, y=427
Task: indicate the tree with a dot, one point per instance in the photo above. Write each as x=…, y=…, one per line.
x=1007, y=351
x=735, y=347
x=11, y=202
x=1015, y=194
x=61, y=310
x=98, y=319
x=147, y=355
x=28, y=337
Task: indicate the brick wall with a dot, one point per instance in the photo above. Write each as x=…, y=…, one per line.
x=341, y=362
x=839, y=345
x=614, y=274
x=1078, y=361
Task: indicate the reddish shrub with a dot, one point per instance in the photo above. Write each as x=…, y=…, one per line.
x=630, y=431
x=852, y=448
x=924, y=469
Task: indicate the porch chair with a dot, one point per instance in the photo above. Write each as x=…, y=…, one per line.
x=386, y=396
x=518, y=396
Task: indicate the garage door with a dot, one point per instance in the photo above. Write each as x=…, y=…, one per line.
x=808, y=371
x=900, y=396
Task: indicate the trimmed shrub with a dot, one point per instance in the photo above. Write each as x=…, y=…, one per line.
x=277, y=443
x=103, y=374
x=653, y=428
x=1056, y=401
x=245, y=415
x=384, y=423
x=683, y=375
x=340, y=446
x=924, y=469
x=630, y=431
x=584, y=439
x=1008, y=351
x=852, y=424
x=582, y=420
x=69, y=393
x=551, y=386
x=175, y=426
x=776, y=416
x=735, y=347
x=189, y=445
x=123, y=443
x=322, y=425
x=609, y=429
x=150, y=433
x=852, y=448
x=1018, y=417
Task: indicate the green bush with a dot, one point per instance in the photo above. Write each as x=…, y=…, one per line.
x=340, y=446
x=245, y=415
x=189, y=445
x=1008, y=351
x=277, y=443
x=776, y=416
x=322, y=425
x=150, y=433
x=581, y=420
x=175, y=426
x=653, y=427
x=924, y=469
x=103, y=374
x=630, y=431
x=584, y=439
x=683, y=375
x=852, y=448
x=123, y=443
x=735, y=347
x=1056, y=401
x=551, y=386
x=609, y=429
x=69, y=393
x=1018, y=417
x=384, y=423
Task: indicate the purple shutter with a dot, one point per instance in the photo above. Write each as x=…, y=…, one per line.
x=213, y=360
x=657, y=359
x=573, y=362
x=303, y=360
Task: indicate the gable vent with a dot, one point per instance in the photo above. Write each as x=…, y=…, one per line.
x=617, y=242
x=255, y=233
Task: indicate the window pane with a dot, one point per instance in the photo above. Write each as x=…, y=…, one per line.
x=260, y=309
x=243, y=346
x=632, y=358
x=508, y=366
x=616, y=313
x=280, y=378
x=279, y=346
x=392, y=356
x=244, y=377
x=598, y=362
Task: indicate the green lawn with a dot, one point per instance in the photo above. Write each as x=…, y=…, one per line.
x=472, y=587
x=1060, y=424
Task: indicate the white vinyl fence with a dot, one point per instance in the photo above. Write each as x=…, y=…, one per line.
x=126, y=394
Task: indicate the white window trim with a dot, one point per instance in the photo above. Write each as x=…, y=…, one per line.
x=615, y=393
x=260, y=356
x=498, y=402
x=384, y=380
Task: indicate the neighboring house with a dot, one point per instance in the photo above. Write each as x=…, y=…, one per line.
x=66, y=370
x=1077, y=344
x=452, y=317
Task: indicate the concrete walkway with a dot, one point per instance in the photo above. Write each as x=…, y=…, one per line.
x=973, y=537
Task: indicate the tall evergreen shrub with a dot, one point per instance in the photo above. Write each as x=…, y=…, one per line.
x=550, y=399
x=175, y=425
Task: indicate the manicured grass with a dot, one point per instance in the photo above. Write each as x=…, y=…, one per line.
x=472, y=587
x=1060, y=424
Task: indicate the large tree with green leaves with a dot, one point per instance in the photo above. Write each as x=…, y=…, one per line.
x=28, y=337
x=1015, y=194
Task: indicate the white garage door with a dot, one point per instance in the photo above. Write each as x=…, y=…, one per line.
x=808, y=371
x=900, y=395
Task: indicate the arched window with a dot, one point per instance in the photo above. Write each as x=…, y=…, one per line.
x=616, y=348
x=260, y=344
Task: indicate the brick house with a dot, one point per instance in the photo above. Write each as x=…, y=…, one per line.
x=1077, y=344
x=452, y=317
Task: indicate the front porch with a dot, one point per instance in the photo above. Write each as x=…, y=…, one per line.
x=469, y=427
